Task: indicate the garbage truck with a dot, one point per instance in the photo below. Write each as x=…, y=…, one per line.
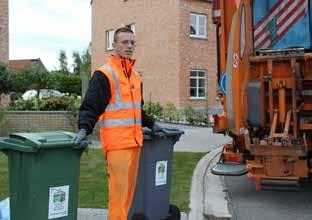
x=265, y=76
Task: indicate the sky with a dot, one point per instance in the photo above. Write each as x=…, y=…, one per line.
x=41, y=28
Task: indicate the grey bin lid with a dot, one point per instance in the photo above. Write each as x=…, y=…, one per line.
x=32, y=142
x=167, y=132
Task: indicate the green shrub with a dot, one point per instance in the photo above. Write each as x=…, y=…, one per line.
x=64, y=103
x=23, y=105
x=154, y=110
x=171, y=113
x=53, y=103
x=65, y=83
x=3, y=121
x=189, y=114
x=15, y=96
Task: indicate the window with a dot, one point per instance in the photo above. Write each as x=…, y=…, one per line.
x=132, y=27
x=198, y=25
x=109, y=39
x=197, y=84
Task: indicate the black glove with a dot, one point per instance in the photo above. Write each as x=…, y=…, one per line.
x=80, y=136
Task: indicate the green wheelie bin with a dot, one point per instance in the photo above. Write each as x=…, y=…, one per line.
x=43, y=175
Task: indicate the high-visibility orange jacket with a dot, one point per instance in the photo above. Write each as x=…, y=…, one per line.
x=120, y=124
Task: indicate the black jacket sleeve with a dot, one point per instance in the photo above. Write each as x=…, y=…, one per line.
x=95, y=102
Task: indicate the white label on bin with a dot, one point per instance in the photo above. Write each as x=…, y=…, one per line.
x=58, y=202
x=161, y=173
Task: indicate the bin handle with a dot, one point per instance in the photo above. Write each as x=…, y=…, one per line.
x=165, y=132
x=17, y=147
x=83, y=144
x=172, y=131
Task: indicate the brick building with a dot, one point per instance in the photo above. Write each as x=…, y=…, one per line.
x=20, y=65
x=176, y=46
x=4, y=31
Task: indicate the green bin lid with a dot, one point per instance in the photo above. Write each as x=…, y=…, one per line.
x=32, y=142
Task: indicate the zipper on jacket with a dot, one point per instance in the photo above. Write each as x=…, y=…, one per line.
x=128, y=77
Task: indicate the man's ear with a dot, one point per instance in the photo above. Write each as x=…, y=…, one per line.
x=114, y=45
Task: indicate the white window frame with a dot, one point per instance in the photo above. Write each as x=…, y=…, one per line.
x=132, y=27
x=109, y=39
x=197, y=78
x=197, y=27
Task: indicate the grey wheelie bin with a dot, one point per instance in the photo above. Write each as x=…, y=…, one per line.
x=152, y=193
x=43, y=175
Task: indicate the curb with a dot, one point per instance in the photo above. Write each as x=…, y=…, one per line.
x=101, y=214
x=91, y=214
x=208, y=194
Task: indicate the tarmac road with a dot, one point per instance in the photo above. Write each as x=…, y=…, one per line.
x=248, y=204
x=244, y=202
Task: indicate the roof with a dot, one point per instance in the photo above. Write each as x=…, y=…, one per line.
x=19, y=65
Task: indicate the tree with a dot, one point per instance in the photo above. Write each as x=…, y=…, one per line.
x=31, y=78
x=65, y=83
x=77, y=63
x=86, y=61
x=63, y=62
x=5, y=80
x=39, y=81
x=85, y=73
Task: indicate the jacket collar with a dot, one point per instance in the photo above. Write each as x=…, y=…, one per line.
x=123, y=64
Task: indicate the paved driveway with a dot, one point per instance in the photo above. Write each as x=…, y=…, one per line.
x=197, y=139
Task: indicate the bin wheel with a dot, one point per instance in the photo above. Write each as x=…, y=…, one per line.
x=174, y=213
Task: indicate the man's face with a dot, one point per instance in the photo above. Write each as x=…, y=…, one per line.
x=124, y=45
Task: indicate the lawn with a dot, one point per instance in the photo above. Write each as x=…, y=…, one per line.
x=93, y=182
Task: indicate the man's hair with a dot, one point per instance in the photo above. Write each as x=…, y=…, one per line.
x=121, y=30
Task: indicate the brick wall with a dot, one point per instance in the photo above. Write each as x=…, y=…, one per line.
x=37, y=121
x=4, y=31
x=197, y=53
x=164, y=51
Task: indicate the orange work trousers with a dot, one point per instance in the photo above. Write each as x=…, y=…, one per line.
x=122, y=167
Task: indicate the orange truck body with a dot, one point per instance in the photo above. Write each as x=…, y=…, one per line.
x=267, y=103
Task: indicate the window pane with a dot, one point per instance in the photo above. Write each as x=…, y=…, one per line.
x=193, y=20
x=193, y=73
x=193, y=82
x=201, y=92
x=201, y=83
x=202, y=20
x=192, y=29
x=192, y=92
x=201, y=31
x=132, y=27
x=201, y=73
x=110, y=38
x=193, y=24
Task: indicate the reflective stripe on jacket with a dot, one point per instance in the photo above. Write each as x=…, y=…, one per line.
x=120, y=124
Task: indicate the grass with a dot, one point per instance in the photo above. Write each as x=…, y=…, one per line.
x=93, y=191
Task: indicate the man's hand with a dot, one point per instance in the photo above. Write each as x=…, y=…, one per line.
x=80, y=136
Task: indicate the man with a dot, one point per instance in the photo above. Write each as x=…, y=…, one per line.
x=114, y=98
